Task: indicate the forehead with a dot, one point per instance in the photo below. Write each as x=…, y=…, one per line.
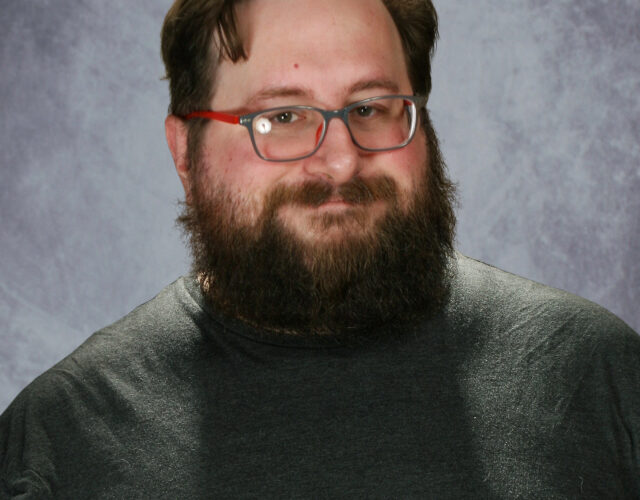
x=324, y=47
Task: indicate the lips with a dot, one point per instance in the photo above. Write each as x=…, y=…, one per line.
x=336, y=201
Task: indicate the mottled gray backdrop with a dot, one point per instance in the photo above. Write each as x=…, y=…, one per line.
x=537, y=103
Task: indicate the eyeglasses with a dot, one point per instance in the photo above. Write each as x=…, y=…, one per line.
x=291, y=133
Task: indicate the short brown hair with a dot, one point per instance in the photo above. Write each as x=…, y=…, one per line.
x=194, y=28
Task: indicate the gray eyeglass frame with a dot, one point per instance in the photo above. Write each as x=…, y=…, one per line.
x=417, y=101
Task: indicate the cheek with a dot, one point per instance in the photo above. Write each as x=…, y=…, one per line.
x=244, y=178
x=226, y=162
x=410, y=165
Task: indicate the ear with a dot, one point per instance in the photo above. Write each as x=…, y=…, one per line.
x=177, y=134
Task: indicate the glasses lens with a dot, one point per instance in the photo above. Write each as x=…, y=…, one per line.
x=382, y=123
x=287, y=133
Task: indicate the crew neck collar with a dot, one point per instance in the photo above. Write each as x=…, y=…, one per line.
x=243, y=329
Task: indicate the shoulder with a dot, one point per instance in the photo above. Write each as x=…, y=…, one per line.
x=513, y=319
x=117, y=362
x=541, y=336
x=90, y=402
x=540, y=365
x=505, y=299
x=168, y=323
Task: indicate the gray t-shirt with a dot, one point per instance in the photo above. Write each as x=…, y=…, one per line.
x=515, y=390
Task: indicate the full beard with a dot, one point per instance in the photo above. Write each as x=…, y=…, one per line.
x=264, y=274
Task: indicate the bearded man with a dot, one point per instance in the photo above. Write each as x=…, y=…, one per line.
x=329, y=341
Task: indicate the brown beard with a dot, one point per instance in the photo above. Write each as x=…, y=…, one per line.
x=265, y=275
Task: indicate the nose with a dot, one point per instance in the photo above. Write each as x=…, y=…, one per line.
x=338, y=159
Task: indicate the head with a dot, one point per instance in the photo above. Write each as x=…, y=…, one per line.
x=341, y=240
x=197, y=34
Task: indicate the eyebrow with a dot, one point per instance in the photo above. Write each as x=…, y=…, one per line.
x=385, y=84
x=278, y=91
x=288, y=91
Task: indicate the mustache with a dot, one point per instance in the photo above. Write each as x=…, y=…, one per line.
x=357, y=191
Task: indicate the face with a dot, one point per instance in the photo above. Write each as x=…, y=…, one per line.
x=326, y=54
x=336, y=243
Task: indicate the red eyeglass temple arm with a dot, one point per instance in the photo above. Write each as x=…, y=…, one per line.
x=213, y=115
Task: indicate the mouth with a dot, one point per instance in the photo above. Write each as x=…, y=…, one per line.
x=335, y=202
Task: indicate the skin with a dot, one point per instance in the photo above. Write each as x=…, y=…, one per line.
x=326, y=54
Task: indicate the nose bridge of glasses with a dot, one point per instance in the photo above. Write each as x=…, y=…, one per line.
x=328, y=115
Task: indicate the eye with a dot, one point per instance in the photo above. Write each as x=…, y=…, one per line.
x=365, y=111
x=284, y=117
x=278, y=119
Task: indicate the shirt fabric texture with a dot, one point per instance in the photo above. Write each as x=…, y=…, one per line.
x=514, y=390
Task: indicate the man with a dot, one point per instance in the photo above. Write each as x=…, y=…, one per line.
x=329, y=342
